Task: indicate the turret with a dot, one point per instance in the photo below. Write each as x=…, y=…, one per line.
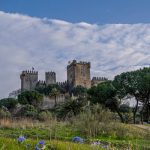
x=29, y=80
x=50, y=78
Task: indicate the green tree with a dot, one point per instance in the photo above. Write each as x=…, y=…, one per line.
x=10, y=103
x=137, y=84
x=46, y=90
x=30, y=97
x=79, y=91
x=70, y=107
x=106, y=95
x=54, y=93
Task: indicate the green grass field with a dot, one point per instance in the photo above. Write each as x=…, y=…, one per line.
x=58, y=136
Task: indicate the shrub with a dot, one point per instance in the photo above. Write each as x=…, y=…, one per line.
x=91, y=119
x=28, y=111
x=70, y=107
x=30, y=97
x=4, y=113
x=10, y=103
x=44, y=116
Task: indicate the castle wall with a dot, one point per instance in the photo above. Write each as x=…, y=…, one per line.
x=97, y=80
x=49, y=102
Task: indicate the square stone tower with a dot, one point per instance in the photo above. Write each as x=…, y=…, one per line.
x=78, y=73
x=29, y=79
x=50, y=78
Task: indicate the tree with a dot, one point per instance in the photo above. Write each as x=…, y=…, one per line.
x=30, y=97
x=46, y=90
x=79, y=91
x=54, y=93
x=137, y=84
x=10, y=103
x=70, y=107
x=106, y=95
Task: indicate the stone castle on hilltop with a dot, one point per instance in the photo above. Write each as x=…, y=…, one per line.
x=78, y=74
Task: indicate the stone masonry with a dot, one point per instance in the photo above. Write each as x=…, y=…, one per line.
x=78, y=73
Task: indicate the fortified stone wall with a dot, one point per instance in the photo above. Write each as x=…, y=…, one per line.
x=97, y=80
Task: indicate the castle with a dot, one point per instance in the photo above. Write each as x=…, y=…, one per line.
x=78, y=74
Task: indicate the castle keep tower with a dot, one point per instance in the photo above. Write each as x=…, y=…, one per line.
x=50, y=78
x=78, y=73
x=29, y=80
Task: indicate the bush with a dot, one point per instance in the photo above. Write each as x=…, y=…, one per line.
x=10, y=103
x=30, y=97
x=28, y=111
x=70, y=107
x=4, y=113
x=44, y=116
x=91, y=120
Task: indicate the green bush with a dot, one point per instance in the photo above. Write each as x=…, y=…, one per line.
x=28, y=111
x=30, y=97
x=44, y=116
x=91, y=120
x=10, y=103
x=4, y=113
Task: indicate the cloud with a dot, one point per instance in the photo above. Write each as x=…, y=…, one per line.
x=48, y=44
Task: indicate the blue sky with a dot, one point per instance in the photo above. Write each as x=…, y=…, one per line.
x=91, y=11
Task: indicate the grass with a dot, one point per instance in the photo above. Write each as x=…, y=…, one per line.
x=59, y=134
x=12, y=144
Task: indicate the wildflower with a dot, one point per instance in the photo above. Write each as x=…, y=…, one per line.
x=21, y=139
x=42, y=142
x=40, y=145
x=78, y=139
x=96, y=143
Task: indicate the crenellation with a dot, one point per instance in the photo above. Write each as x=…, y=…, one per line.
x=61, y=83
x=78, y=73
x=50, y=77
x=97, y=80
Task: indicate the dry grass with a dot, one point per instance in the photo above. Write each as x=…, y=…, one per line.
x=19, y=123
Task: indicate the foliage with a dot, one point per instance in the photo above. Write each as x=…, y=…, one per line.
x=54, y=93
x=44, y=115
x=70, y=107
x=79, y=91
x=137, y=84
x=47, y=90
x=90, y=121
x=28, y=111
x=30, y=97
x=4, y=113
x=10, y=103
x=106, y=95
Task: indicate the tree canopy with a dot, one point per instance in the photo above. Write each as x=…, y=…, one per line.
x=30, y=97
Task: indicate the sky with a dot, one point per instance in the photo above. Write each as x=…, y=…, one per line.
x=114, y=35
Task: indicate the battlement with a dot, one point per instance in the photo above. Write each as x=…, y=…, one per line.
x=30, y=72
x=51, y=73
x=41, y=82
x=62, y=83
x=50, y=77
x=70, y=63
x=99, y=79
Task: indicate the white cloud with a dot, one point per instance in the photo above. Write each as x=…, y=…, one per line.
x=48, y=44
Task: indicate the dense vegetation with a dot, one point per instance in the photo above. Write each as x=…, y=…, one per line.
x=99, y=113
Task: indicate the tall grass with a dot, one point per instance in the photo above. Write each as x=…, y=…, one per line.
x=92, y=124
